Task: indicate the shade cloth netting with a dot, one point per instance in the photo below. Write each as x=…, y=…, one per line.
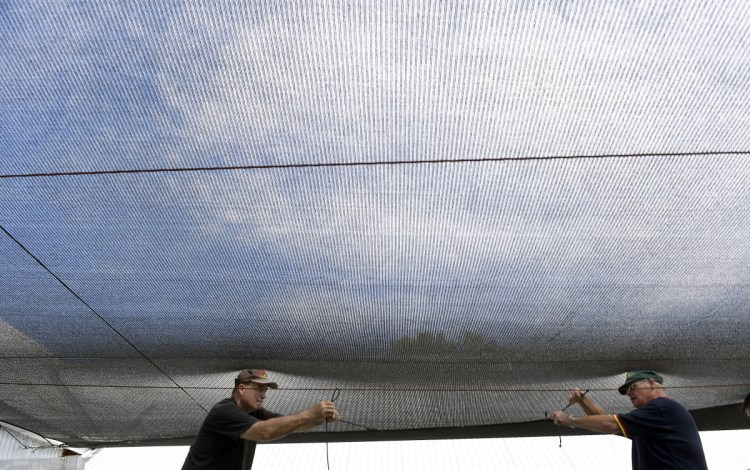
x=451, y=212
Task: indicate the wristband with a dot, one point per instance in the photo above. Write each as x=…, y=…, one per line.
x=570, y=422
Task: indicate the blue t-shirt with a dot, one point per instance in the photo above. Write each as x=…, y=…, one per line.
x=664, y=436
x=218, y=445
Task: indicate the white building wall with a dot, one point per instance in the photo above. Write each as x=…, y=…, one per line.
x=16, y=444
x=725, y=450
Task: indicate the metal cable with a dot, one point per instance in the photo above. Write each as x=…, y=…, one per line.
x=99, y=316
x=368, y=163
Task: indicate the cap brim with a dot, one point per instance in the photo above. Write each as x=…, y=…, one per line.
x=270, y=383
x=624, y=387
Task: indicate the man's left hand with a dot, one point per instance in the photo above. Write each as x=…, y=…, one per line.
x=560, y=418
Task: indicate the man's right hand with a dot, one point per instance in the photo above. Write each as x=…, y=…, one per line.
x=325, y=411
x=588, y=406
x=576, y=396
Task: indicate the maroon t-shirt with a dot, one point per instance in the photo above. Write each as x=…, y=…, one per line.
x=218, y=445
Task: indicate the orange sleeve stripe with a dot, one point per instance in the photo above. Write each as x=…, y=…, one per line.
x=622, y=428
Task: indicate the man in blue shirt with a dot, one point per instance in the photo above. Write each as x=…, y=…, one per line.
x=663, y=432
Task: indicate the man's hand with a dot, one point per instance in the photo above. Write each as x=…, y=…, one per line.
x=576, y=396
x=325, y=411
x=276, y=428
x=588, y=406
x=599, y=423
x=560, y=418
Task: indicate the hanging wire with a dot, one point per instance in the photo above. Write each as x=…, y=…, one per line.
x=372, y=163
x=336, y=393
x=356, y=389
x=559, y=428
x=14, y=437
x=98, y=315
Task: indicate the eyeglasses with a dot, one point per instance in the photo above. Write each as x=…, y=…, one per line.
x=632, y=387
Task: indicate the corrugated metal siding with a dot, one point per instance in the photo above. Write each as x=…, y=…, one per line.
x=59, y=463
x=142, y=458
x=11, y=448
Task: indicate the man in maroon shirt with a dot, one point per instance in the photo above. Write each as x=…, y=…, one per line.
x=227, y=438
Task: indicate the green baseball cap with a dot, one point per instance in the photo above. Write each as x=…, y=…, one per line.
x=636, y=375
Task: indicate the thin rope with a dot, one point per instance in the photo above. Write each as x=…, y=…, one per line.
x=689, y=359
x=559, y=430
x=570, y=404
x=336, y=393
x=372, y=163
x=100, y=317
x=363, y=389
x=366, y=428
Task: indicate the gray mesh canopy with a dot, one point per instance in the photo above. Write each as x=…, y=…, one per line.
x=450, y=212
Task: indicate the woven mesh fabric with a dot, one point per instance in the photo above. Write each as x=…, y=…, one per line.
x=452, y=214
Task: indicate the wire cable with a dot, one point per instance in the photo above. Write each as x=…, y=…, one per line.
x=367, y=163
x=559, y=430
x=336, y=393
x=361, y=389
x=99, y=316
x=14, y=437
